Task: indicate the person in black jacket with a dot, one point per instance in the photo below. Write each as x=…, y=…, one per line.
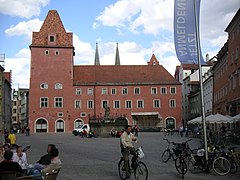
x=46, y=159
x=8, y=165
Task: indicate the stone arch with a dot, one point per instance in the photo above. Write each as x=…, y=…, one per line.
x=41, y=125
x=59, y=125
x=170, y=123
x=121, y=121
x=78, y=122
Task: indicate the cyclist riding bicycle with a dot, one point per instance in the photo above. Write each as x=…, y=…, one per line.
x=127, y=148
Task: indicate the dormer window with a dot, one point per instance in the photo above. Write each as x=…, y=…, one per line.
x=52, y=38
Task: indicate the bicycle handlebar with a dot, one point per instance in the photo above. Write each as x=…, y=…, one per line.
x=174, y=143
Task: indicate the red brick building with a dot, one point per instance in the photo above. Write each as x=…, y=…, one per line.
x=63, y=95
x=226, y=72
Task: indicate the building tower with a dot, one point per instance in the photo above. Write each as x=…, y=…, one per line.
x=51, y=79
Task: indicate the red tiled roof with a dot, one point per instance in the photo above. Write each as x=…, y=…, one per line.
x=122, y=75
x=7, y=76
x=189, y=66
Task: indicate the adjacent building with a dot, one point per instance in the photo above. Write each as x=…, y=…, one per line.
x=5, y=97
x=226, y=72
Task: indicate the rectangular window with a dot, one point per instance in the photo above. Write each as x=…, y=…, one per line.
x=163, y=90
x=113, y=91
x=43, y=102
x=90, y=91
x=58, y=101
x=77, y=104
x=128, y=104
x=51, y=38
x=104, y=103
x=172, y=103
x=156, y=103
x=124, y=91
x=154, y=90
x=172, y=90
x=140, y=104
x=104, y=91
x=137, y=90
x=90, y=104
x=116, y=104
x=78, y=91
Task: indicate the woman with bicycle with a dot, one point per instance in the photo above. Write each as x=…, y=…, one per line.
x=127, y=148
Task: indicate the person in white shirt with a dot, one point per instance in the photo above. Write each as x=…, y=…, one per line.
x=127, y=148
x=21, y=158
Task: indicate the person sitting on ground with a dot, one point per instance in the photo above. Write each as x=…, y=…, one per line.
x=21, y=158
x=55, y=164
x=8, y=165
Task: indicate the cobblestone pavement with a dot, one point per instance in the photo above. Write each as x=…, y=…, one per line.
x=97, y=158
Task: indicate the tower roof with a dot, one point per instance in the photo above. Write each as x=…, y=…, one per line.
x=153, y=60
x=52, y=26
x=97, y=60
x=117, y=58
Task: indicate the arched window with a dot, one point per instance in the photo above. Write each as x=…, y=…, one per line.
x=44, y=86
x=170, y=123
x=60, y=126
x=78, y=122
x=41, y=126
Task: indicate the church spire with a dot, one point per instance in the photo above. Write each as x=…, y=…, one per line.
x=117, y=58
x=97, y=61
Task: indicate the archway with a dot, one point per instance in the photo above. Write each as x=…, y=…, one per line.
x=170, y=123
x=78, y=122
x=60, y=125
x=41, y=126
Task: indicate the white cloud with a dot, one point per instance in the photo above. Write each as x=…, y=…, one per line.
x=20, y=67
x=24, y=28
x=156, y=17
x=23, y=9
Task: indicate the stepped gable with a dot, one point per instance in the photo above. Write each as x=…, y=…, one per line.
x=52, y=25
x=122, y=75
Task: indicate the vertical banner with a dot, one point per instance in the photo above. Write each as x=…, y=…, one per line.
x=185, y=31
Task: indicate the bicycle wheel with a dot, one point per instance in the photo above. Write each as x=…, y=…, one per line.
x=141, y=171
x=221, y=166
x=166, y=155
x=181, y=166
x=121, y=169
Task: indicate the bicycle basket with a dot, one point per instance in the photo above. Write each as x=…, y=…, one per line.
x=140, y=152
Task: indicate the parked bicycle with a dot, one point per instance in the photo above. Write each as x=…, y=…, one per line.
x=181, y=160
x=169, y=152
x=139, y=169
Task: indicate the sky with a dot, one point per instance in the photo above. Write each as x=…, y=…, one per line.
x=140, y=27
